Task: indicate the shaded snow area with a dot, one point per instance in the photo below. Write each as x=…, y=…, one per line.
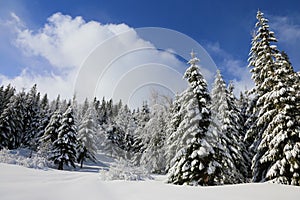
x=20, y=183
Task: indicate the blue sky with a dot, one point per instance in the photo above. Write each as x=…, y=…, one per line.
x=223, y=28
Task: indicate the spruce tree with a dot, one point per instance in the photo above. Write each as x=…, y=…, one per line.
x=226, y=126
x=113, y=141
x=125, y=121
x=172, y=135
x=140, y=133
x=44, y=115
x=262, y=63
x=153, y=157
x=276, y=114
x=64, y=147
x=12, y=122
x=32, y=119
x=50, y=134
x=86, y=137
x=278, y=153
x=6, y=94
x=84, y=108
x=194, y=163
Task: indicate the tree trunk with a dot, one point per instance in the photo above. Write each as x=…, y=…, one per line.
x=60, y=166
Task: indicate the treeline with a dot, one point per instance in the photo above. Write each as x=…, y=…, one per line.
x=201, y=138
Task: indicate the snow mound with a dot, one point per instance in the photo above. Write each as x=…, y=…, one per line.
x=124, y=170
x=24, y=157
x=17, y=182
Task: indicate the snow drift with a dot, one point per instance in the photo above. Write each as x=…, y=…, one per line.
x=17, y=182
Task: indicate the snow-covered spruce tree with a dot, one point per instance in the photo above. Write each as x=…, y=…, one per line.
x=1, y=93
x=125, y=122
x=64, y=147
x=102, y=112
x=64, y=104
x=226, y=126
x=194, y=163
x=86, y=148
x=32, y=119
x=110, y=109
x=55, y=104
x=243, y=104
x=50, y=135
x=84, y=108
x=153, y=157
x=237, y=125
x=6, y=94
x=44, y=116
x=173, y=136
x=276, y=113
x=141, y=135
x=278, y=153
x=11, y=122
x=113, y=141
x=143, y=116
x=111, y=134
x=262, y=63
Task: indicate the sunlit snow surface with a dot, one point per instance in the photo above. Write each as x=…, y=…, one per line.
x=20, y=183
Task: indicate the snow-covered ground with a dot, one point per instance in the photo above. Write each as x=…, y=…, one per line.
x=21, y=183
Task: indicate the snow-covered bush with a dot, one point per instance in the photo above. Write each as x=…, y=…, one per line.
x=24, y=157
x=123, y=170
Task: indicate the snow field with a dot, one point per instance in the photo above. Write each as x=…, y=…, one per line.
x=20, y=183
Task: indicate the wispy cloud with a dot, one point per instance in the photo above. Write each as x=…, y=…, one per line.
x=234, y=69
x=286, y=30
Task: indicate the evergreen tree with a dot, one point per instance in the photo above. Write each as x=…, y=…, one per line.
x=278, y=153
x=262, y=63
x=153, y=157
x=143, y=117
x=6, y=94
x=110, y=110
x=86, y=137
x=84, y=108
x=50, y=134
x=125, y=121
x=1, y=99
x=32, y=119
x=55, y=105
x=194, y=163
x=173, y=136
x=64, y=147
x=44, y=115
x=12, y=122
x=236, y=129
x=113, y=141
x=140, y=133
x=244, y=105
x=276, y=114
x=230, y=150
x=63, y=105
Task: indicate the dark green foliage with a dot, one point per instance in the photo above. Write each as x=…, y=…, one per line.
x=64, y=147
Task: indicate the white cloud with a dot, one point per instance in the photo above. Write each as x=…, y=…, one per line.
x=233, y=68
x=242, y=78
x=285, y=28
x=65, y=41
x=72, y=45
x=51, y=84
x=15, y=17
x=287, y=31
